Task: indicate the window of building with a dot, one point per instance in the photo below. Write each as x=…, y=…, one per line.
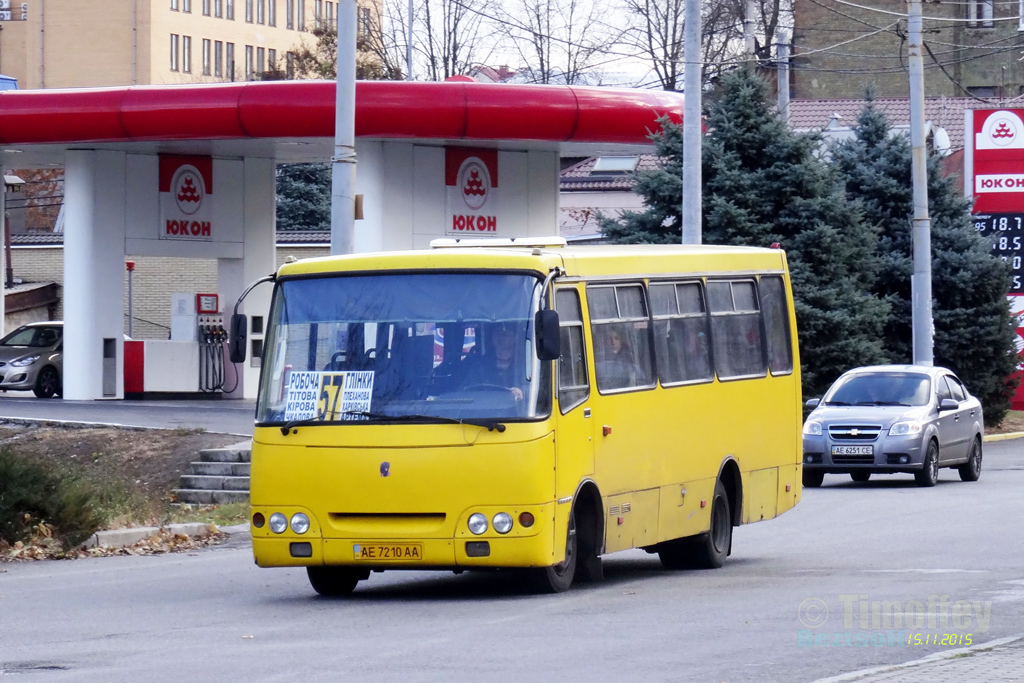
x=300, y=18
x=289, y=13
x=186, y=6
x=364, y=21
x=250, y=58
x=289, y=65
x=330, y=15
x=231, y=9
x=248, y=11
x=174, y=5
x=272, y=59
x=318, y=13
x=983, y=90
x=218, y=8
x=261, y=9
x=979, y=12
x=206, y=8
x=229, y=60
x=218, y=58
x=186, y=54
x=261, y=60
x=174, y=52
x=271, y=12
x=207, y=56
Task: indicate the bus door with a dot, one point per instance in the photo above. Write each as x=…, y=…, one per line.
x=574, y=433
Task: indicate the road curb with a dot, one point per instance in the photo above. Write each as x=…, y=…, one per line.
x=120, y=538
x=1003, y=437
x=932, y=658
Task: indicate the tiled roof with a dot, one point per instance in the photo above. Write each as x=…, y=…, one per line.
x=581, y=178
x=947, y=112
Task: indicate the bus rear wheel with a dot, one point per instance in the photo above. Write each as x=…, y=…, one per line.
x=335, y=581
x=558, y=578
x=712, y=548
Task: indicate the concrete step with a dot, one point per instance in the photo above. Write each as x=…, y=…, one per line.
x=220, y=469
x=194, y=481
x=207, y=497
x=236, y=453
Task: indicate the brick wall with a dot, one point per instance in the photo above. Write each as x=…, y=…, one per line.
x=823, y=69
x=154, y=281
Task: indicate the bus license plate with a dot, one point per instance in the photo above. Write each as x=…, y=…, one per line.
x=852, y=450
x=387, y=551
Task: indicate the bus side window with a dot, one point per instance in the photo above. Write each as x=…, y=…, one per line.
x=621, y=330
x=680, y=332
x=776, y=325
x=736, y=329
x=573, y=384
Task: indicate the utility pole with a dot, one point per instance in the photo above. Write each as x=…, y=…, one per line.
x=921, y=282
x=408, y=47
x=782, y=57
x=749, y=43
x=691, y=210
x=343, y=170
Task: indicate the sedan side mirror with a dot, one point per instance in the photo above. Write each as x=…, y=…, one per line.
x=948, y=404
x=236, y=343
x=812, y=402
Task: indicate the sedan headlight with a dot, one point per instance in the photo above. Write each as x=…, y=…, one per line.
x=905, y=428
x=812, y=428
x=26, y=361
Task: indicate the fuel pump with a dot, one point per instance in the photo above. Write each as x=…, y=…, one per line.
x=211, y=336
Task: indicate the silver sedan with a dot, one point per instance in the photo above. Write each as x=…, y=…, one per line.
x=893, y=418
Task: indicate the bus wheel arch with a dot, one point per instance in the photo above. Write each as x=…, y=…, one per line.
x=589, y=512
x=730, y=476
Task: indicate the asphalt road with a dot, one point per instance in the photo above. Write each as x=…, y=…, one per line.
x=786, y=607
x=214, y=415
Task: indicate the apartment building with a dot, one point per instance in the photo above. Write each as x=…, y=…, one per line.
x=73, y=43
x=972, y=48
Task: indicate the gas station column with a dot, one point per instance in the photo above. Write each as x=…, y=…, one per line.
x=94, y=200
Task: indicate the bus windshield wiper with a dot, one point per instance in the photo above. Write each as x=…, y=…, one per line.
x=490, y=424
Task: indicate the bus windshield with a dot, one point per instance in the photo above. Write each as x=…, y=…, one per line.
x=395, y=347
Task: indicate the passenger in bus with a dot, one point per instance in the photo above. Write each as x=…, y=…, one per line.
x=496, y=366
x=618, y=370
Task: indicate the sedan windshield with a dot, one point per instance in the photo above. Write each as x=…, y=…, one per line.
x=881, y=389
x=404, y=347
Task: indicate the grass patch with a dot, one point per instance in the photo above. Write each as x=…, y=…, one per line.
x=228, y=514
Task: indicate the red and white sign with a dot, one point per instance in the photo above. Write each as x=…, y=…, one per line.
x=186, y=204
x=471, y=191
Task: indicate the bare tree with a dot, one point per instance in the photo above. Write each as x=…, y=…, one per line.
x=454, y=35
x=559, y=41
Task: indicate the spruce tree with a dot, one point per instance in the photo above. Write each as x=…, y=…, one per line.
x=974, y=331
x=304, y=197
x=764, y=184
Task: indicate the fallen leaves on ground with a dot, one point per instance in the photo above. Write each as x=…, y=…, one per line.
x=43, y=547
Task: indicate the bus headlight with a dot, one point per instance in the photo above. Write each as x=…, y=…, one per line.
x=278, y=523
x=300, y=523
x=477, y=523
x=502, y=522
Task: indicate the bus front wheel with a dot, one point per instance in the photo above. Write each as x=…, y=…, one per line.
x=335, y=581
x=558, y=578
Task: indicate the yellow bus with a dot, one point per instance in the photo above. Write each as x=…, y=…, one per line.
x=522, y=405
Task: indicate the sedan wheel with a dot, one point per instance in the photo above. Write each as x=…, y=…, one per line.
x=971, y=470
x=929, y=473
x=47, y=383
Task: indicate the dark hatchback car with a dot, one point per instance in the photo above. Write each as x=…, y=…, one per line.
x=30, y=358
x=894, y=418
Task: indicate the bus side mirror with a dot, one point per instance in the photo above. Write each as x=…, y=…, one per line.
x=236, y=343
x=546, y=325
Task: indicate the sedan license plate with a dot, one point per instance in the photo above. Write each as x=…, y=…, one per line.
x=852, y=450
x=387, y=551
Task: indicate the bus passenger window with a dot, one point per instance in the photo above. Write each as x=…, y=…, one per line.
x=619, y=324
x=573, y=385
x=776, y=325
x=680, y=332
x=736, y=329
